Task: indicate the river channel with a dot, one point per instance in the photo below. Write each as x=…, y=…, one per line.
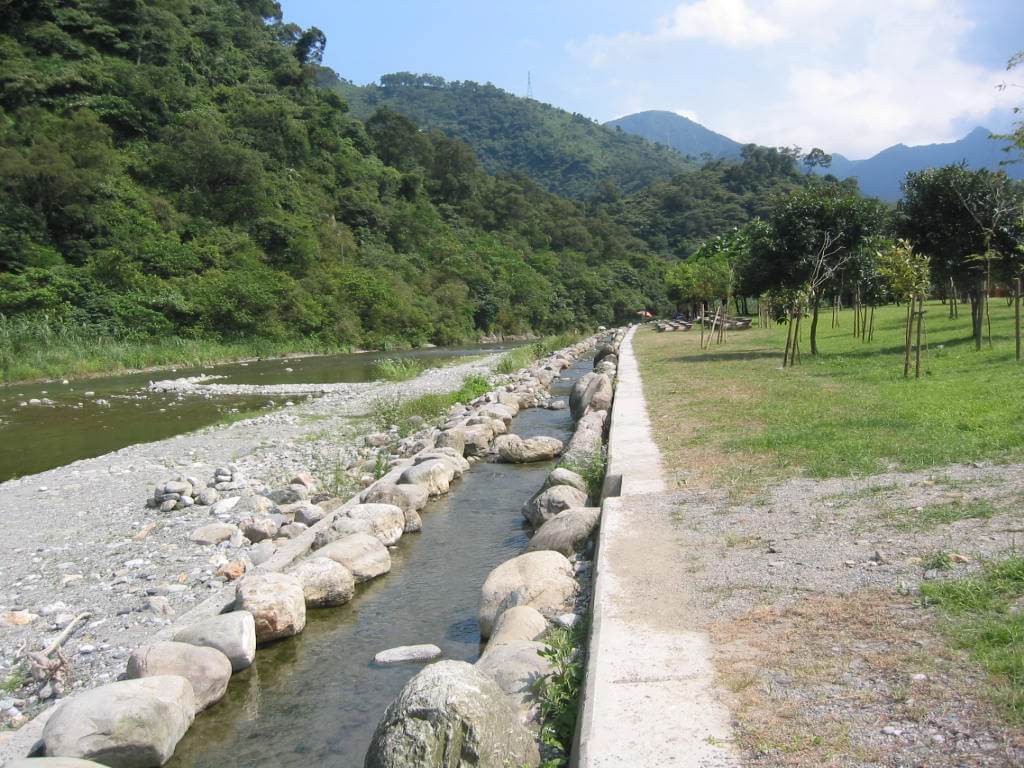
x=315, y=700
x=91, y=417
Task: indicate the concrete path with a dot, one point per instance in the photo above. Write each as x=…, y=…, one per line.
x=649, y=695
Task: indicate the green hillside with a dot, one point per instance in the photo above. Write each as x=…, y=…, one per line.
x=169, y=169
x=566, y=153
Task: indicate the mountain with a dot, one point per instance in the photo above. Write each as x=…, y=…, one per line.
x=566, y=153
x=882, y=174
x=680, y=133
x=879, y=176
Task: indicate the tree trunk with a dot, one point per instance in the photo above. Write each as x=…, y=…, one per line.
x=789, y=341
x=814, y=325
x=1016, y=315
x=906, y=339
x=920, y=322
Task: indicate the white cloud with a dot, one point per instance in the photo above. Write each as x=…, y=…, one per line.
x=850, y=77
x=689, y=114
x=731, y=22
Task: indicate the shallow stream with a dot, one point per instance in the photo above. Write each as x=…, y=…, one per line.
x=119, y=411
x=315, y=700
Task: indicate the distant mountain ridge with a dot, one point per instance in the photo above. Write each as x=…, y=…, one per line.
x=566, y=153
x=680, y=133
x=878, y=176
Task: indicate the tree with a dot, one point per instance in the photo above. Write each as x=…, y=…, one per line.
x=817, y=158
x=908, y=275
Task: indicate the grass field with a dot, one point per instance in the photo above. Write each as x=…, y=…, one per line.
x=731, y=415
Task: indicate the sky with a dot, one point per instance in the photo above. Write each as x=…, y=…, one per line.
x=849, y=76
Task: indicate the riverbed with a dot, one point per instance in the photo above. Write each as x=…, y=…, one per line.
x=91, y=417
x=316, y=699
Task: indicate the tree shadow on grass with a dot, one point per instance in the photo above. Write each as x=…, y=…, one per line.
x=728, y=356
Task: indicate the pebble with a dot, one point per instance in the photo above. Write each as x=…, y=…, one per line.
x=891, y=730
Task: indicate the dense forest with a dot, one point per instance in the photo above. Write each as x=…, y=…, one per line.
x=568, y=154
x=175, y=169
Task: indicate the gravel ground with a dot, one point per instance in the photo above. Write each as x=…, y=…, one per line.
x=79, y=539
x=824, y=651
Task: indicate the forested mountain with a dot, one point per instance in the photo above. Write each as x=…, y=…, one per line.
x=878, y=176
x=565, y=153
x=169, y=167
x=882, y=174
x=680, y=133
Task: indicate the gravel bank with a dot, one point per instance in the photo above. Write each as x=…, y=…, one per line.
x=79, y=539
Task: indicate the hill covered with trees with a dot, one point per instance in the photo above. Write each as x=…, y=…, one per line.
x=170, y=169
x=565, y=153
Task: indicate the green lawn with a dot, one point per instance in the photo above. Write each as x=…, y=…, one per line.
x=732, y=415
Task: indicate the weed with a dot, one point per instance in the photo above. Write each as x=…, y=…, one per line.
x=934, y=515
x=936, y=561
x=984, y=617
x=398, y=368
x=592, y=470
x=558, y=693
x=393, y=411
x=15, y=680
x=380, y=466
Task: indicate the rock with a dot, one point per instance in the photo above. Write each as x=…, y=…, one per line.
x=587, y=441
x=127, y=724
x=292, y=530
x=386, y=521
x=325, y=583
x=207, y=497
x=515, y=450
x=477, y=439
x=409, y=497
x=377, y=440
x=233, y=634
x=609, y=369
x=604, y=352
x=307, y=513
x=497, y=412
x=458, y=462
x=290, y=495
x=407, y=653
x=17, y=618
x=277, y=603
x=207, y=669
x=232, y=570
x=262, y=552
x=516, y=667
x=224, y=506
x=179, y=487
x=258, y=529
x=305, y=479
x=583, y=392
x=254, y=507
x=364, y=555
x=452, y=438
x=568, y=620
x=540, y=580
x=413, y=521
x=435, y=475
x=549, y=502
x=518, y=623
x=567, y=532
x=214, y=533
x=451, y=715
x=563, y=476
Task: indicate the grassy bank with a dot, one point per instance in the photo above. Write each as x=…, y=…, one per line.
x=521, y=357
x=733, y=416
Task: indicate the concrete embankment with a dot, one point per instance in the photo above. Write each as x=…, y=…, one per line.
x=648, y=697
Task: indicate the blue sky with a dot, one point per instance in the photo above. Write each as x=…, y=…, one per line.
x=850, y=76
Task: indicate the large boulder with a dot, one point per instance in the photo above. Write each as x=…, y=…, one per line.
x=477, y=438
x=277, y=603
x=604, y=392
x=233, y=634
x=515, y=450
x=456, y=459
x=385, y=521
x=583, y=392
x=451, y=715
x=550, y=501
x=50, y=762
x=518, y=623
x=587, y=441
x=207, y=669
x=496, y=411
x=435, y=475
x=567, y=532
x=127, y=724
x=563, y=476
x=213, y=533
x=453, y=438
x=517, y=667
x=410, y=498
x=362, y=554
x=541, y=580
x=325, y=583
x=605, y=352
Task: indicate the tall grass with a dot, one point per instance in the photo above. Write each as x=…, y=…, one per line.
x=393, y=411
x=521, y=357
x=398, y=368
x=43, y=347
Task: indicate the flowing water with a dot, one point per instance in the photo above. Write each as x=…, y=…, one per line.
x=314, y=700
x=120, y=411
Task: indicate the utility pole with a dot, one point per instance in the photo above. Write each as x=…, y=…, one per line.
x=529, y=84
